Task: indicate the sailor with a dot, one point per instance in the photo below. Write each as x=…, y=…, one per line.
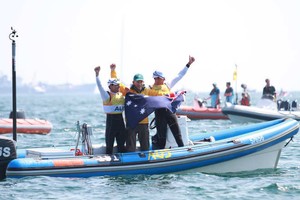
x=163, y=116
x=229, y=93
x=113, y=105
x=269, y=91
x=142, y=129
x=215, y=96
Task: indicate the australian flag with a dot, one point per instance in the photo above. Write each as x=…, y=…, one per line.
x=138, y=107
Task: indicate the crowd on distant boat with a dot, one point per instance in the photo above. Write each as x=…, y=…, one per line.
x=269, y=92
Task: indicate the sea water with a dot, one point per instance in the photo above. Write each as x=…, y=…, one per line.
x=64, y=111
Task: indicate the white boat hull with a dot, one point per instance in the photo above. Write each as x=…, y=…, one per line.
x=266, y=159
x=244, y=114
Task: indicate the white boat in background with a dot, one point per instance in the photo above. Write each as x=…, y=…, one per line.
x=264, y=110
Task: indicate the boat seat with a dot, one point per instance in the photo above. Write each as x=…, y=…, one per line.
x=171, y=142
x=48, y=153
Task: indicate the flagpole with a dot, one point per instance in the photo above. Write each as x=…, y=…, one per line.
x=235, y=78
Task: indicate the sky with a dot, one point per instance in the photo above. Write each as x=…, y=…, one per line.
x=61, y=41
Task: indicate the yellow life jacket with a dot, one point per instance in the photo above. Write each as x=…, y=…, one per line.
x=115, y=104
x=159, y=90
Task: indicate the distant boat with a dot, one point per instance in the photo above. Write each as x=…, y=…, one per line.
x=39, y=89
x=200, y=111
x=25, y=125
x=265, y=110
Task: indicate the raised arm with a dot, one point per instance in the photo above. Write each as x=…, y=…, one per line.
x=179, y=76
x=113, y=74
x=103, y=93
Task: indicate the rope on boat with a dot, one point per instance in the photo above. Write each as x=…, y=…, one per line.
x=291, y=139
x=152, y=126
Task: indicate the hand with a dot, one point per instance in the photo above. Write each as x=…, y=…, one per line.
x=113, y=66
x=191, y=60
x=97, y=70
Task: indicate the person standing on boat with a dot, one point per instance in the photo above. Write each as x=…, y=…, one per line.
x=246, y=97
x=269, y=91
x=163, y=116
x=215, y=96
x=113, y=105
x=142, y=130
x=245, y=100
x=229, y=93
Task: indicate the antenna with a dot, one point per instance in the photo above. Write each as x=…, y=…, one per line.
x=12, y=37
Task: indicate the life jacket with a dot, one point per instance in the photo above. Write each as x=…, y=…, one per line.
x=135, y=90
x=115, y=104
x=159, y=90
x=245, y=101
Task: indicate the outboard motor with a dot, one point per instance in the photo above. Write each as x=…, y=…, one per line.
x=20, y=114
x=283, y=105
x=8, y=152
x=286, y=105
x=294, y=105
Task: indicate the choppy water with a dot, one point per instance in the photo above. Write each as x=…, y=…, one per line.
x=65, y=110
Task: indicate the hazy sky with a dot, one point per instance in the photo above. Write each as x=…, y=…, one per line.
x=61, y=41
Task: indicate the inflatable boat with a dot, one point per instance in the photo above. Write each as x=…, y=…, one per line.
x=24, y=125
x=200, y=111
x=27, y=126
x=265, y=110
x=245, y=148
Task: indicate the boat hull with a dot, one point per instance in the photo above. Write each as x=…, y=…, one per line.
x=268, y=159
x=252, y=147
x=243, y=114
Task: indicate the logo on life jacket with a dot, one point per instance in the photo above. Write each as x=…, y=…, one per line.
x=119, y=108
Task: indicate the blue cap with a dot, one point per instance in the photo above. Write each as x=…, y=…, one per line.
x=158, y=74
x=113, y=81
